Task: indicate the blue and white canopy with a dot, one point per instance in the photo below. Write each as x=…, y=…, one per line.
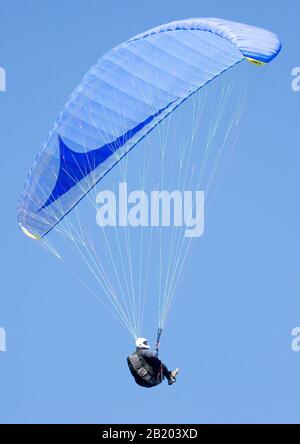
x=130, y=90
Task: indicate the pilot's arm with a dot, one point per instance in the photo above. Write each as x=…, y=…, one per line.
x=149, y=353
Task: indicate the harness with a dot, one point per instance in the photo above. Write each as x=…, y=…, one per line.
x=144, y=374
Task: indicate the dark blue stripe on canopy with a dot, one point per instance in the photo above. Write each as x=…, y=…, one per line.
x=75, y=166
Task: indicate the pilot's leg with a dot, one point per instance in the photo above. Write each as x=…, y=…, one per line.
x=166, y=373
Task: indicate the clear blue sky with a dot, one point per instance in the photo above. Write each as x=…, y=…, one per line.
x=230, y=329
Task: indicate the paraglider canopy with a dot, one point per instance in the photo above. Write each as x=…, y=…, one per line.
x=106, y=116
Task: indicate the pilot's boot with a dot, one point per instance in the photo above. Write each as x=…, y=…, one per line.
x=173, y=375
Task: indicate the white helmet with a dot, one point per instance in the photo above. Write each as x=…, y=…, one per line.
x=142, y=343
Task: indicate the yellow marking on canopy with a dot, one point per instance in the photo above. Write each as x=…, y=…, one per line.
x=255, y=62
x=32, y=236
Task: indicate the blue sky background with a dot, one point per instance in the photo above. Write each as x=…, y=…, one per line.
x=230, y=329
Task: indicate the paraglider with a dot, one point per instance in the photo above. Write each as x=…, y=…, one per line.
x=146, y=367
x=133, y=89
